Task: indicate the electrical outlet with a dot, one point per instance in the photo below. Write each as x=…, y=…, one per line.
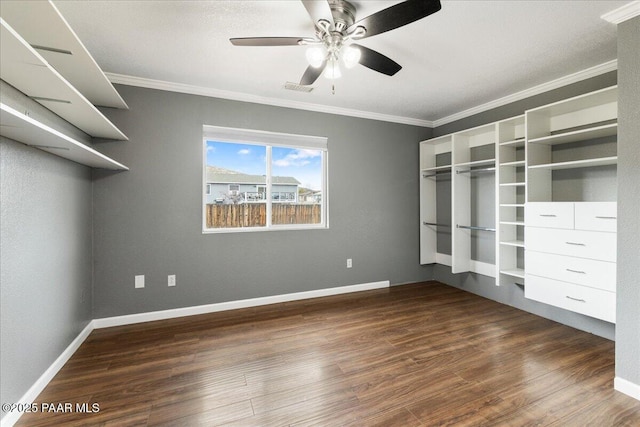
x=349, y=263
x=139, y=282
x=171, y=280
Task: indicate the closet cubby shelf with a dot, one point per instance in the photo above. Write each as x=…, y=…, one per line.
x=19, y=127
x=512, y=205
x=517, y=243
x=517, y=143
x=576, y=164
x=436, y=168
x=512, y=222
x=515, y=164
x=26, y=70
x=477, y=163
x=512, y=184
x=516, y=272
x=578, y=135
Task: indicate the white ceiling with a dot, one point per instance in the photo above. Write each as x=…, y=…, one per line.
x=468, y=54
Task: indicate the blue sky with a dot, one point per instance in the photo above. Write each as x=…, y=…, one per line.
x=302, y=164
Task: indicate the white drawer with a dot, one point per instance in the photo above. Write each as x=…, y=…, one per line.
x=596, y=216
x=549, y=214
x=587, y=272
x=576, y=243
x=581, y=299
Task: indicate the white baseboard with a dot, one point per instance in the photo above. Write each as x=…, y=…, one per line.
x=30, y=396
x=627, y=387
x=232, y=305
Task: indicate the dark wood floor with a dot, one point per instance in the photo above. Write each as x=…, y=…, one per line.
x=415, y=355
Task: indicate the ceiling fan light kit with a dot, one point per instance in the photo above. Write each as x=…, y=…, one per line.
x=336, y=29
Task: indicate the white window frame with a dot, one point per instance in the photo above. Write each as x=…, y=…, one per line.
x=268, y=140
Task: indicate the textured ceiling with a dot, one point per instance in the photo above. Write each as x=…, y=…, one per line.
x=467, y=54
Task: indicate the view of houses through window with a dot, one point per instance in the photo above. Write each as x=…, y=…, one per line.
x=249, y=185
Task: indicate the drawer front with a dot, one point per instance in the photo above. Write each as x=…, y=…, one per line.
x=581, y=271
x=550, y=215
x=596, y=216
x=581, y=299
x=582, y=244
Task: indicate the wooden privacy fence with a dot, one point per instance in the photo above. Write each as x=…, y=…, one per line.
x=255, y=214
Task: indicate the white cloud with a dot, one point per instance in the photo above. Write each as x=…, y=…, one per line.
x=297, y=158
x=211, y=149
x=244, y=151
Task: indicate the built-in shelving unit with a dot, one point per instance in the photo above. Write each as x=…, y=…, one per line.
x=430, y=171
x=24, y=67
x=510, y=153
x=570, y=253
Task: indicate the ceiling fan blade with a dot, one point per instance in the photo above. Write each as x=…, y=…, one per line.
x=269, y=41
x=317, y=10
x=377, y=61
x=396, y=16
x=312, y=73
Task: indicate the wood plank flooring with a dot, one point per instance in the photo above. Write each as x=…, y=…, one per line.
x=416, y=355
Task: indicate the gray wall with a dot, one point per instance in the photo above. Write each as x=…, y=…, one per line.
x=45, y=254
x=628, y=298
x=148, y=220
x=485, y=286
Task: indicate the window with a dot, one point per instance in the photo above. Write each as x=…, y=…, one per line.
x=255, y=180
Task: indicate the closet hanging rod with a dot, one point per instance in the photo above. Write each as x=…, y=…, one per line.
x=435, y=223
x=477, y=170
x=436, y=174
x=471, y=227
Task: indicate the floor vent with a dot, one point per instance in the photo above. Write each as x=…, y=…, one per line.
x=298, y=87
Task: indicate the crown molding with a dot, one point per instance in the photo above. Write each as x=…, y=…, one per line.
x=624, y=13
x=536, y=90
x=245, y=97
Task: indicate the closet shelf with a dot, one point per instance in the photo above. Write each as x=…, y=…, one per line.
x=518, y=142
x=578, y=135
x=516, y=163
x=19, y=127
x=576, y=164
x=516, y=243
x=516, y=272
x=512, y=205
x=512, y=184
x=26, y=70
x=50, y=30
x=436, y=168
x=477, y=163
x=512, y=222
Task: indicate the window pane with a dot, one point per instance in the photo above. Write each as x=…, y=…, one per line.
x=236, y=177
x=296, y=190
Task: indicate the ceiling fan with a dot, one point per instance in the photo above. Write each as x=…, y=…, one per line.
x=336, y=29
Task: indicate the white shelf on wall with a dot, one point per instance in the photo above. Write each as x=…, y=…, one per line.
x=578, y=135
x=576, y=164
x=512, y=205
x=512, y=184
x=19, y=127
x=43, y=27
x=26, y=70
